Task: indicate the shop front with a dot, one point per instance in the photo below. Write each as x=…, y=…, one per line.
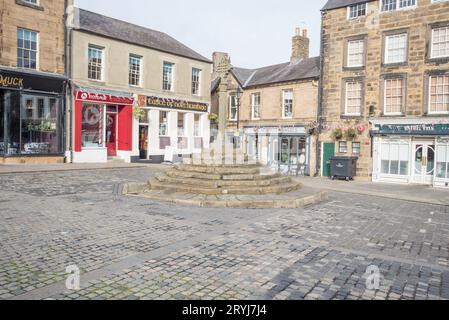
x=411, y=151
x=31, y=117
x=103, y=124
x=283, y=148
x=170, y=129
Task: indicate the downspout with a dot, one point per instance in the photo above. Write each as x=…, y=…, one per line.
x=319, y=114
x=68, y=66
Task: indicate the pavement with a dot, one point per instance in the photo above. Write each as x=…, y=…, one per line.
x=135, y=248
x=42, y=168
x=414, y=193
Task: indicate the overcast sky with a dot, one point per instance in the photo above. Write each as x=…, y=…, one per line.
x=255, y=33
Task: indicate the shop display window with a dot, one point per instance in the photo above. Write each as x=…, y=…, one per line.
x=442, y=162
x=395, y=159
x=92, y=126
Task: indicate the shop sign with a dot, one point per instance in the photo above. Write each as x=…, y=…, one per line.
x=412, y=129
x=22, y=81
x=176, y=104
x=103, y=98
x=276, y=130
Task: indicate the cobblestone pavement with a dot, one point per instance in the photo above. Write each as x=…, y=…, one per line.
x=133, y=248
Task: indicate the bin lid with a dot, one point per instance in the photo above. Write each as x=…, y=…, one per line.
x=344, y=158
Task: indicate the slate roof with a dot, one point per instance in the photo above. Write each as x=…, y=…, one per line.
x=335, y=4
x=120, y=30
x=305, y=69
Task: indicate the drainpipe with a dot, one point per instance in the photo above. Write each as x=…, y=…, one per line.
x=320, y=101
x=68, y=71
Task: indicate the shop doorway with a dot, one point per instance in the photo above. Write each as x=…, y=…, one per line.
x=143, y=142
x=292, y=155
x=111, y=134
x=423, y=162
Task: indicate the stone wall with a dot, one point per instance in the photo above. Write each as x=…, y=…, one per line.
x=335, y=33
x=47, y=18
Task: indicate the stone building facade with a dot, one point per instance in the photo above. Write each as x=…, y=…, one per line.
x=32, y=80
x=270, y=110
x=385, y=88
x=137, y=93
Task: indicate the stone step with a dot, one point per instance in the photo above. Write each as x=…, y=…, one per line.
x=222, y=170
x=223, y=183
x=175, y=173
x=278, y=189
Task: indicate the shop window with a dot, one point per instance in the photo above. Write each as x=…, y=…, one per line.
x=342, y=147
x=197, y=125
x=39, y=125
x=356, y=148
x=181, y=124
x=442, y=162
x=92, y=126
x=12, y=136
x=27, y=49
x=163, y=123
x=395, y=159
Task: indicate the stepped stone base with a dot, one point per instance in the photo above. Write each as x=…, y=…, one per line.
x=291, y=200
x=225, y=183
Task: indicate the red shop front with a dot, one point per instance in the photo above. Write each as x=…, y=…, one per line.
x=103, y=123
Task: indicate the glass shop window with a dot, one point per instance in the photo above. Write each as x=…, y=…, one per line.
x=443, y=161
x=181, y=125
x=197, y=128
x=92, y=126
x=2, y=123
x=39, y=125
x=395, y=159
x=163, y=123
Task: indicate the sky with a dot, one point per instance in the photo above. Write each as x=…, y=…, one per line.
x=255, y=33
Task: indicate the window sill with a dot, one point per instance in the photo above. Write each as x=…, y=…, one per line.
x=437, y=61
x=394, y=64
x=29, y=5
x=361, y=68
x=350, y=116
x=442, y=114
x=392, y=115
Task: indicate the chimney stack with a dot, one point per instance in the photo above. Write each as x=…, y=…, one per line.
x=300, y=46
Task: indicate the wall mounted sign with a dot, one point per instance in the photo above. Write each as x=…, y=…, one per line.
x=176, y=104
x=412, y=129
x=276, y=130
x=25, y=81
x=103, y=98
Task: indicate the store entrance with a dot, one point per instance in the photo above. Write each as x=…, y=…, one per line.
x=143, y=142
x=423, y=162
x=111, y=134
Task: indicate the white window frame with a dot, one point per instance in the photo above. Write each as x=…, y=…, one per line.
x=432, y=44
x=395, y=113
x=253, y=105
x=232, y=97
x=284, y=93
x=23, y=48
x=357, y=10
x=430, y=96
x=196, y=82
x=94, y=47
x=168, y=82
x=346, y=98
x=388, y=39
x=133, y=72
x=397, y=8
x=349, y=53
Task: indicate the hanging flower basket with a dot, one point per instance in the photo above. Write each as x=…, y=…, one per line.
x=337, y=134
x=213, y=117
x=351, y=133
x=138, y=112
